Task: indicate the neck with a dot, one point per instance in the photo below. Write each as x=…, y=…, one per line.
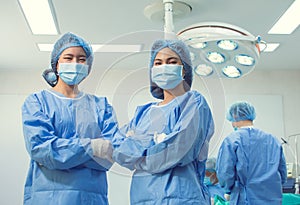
x=70, y=91
x=169, y=95
x=245, y=123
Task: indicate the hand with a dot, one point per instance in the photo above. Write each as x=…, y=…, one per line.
x=102, y=148
x=227, y=197
x=158, y=138
x=130, y=133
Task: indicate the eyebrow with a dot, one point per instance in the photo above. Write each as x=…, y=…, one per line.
x=69, y=54
x=170, y=58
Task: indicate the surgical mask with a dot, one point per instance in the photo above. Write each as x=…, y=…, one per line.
x=72, y=73
x=167, y=76
x=207, y=181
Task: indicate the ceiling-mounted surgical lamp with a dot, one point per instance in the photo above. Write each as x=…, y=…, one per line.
x=217, y=49
x=221, y=49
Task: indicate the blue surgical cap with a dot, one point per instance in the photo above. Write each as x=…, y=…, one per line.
x=66, y=41
x=181, y=49
x=240, y=111
x=71, y=40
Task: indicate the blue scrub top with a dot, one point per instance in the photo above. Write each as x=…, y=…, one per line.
x=57, y=132
x=251, y=165
x=172, y=171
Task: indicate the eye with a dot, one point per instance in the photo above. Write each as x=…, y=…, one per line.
x=82, y=60
x=67, y=59
x=173, y=62
x=157, y=63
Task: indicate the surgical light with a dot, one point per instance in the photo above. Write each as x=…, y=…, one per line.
x=244, y=60
x=203, y=70
x=231, y=71
x=192, y=56
x=196, y=44
x=215, y=57
x=227, y=45
x=199, y=45
x=218, y=49
x=230, y=50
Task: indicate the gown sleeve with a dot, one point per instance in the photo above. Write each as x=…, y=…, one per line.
x=49, y=150
x=109, y=124
x=282, y=167
x=226, y=163
x=179, y=148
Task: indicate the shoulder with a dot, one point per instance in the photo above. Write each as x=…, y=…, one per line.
x=36, y=95
x=97, y=99
x=195, y=100
x=36, y=101
x=195, y=94
x=196, y=97
x=232, y=138
x=267, y=136
x=142, y=108
x=100, y=101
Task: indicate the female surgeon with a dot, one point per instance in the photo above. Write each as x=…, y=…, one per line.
x=60, y=128
x=166, y=142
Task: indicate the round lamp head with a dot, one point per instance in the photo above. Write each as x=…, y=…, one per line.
x=221, y=47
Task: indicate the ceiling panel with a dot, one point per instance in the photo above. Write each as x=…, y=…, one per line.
x=124, y=22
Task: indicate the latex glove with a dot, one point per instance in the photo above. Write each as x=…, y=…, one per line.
x=227, y=197
x=130, y=133
x=158, y=138
x=212, y=201
x=102, y=148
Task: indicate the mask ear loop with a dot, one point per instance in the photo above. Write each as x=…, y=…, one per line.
x=50, y=76
x=182, y=72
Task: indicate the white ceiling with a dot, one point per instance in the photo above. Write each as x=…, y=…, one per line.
x=117, y=22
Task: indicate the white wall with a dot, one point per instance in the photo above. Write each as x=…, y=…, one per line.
x=13, y=157
x=276, y=96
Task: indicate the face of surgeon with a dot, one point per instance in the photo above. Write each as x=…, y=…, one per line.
x=72, y=55
x=172, y=81
x=166, y=56
x=212, y=176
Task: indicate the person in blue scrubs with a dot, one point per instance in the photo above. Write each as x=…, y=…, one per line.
x=211, y=180
x=251, y=164
x=166, y=142
x=67, y=132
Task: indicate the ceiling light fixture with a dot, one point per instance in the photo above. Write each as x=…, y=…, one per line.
x=100, y=48
x=218, y=49
x=39, y=16
x=116, y=48
x=289, y=21
x=271, y=47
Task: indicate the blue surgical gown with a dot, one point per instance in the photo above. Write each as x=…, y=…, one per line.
x=57, y=133
x=251, y=165
x=172, y=171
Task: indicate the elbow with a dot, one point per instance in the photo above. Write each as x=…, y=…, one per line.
x=123, y=159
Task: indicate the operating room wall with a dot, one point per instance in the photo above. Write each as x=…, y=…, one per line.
x=277, y=84
x=276, y=95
